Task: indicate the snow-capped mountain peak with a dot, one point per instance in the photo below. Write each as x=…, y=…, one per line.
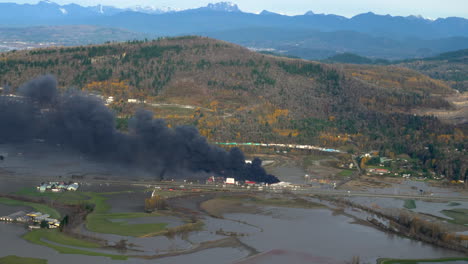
x=152, y=9
x=224, y=6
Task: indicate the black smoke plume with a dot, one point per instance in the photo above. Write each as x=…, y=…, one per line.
x=83, y=123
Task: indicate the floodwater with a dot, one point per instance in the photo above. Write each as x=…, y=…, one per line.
x=308, y=233
x=169, y=220
x=425, y=207
x=11, y=185
x=132, y=202
x=320, y=233
x=315, y=233
x=7, y=209
x=12, y=244
x=411, y=187
x=143, y=246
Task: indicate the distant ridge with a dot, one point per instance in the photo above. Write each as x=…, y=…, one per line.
x=309, y=36
x=50, y=13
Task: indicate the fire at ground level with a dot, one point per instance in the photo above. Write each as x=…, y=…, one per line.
x=226, y=223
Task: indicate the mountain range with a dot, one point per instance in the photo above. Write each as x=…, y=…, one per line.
x=311, y=36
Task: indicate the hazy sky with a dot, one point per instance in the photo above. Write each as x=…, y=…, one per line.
x=426, y=8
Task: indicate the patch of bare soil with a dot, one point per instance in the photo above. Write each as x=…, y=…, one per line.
x=366, y=182
x=322, y=169
x=457, y=115
x=218, y=207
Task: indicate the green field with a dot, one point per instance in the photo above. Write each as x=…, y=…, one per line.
x=410, y=204
x=59, y=238
x=63, y=197
x=36, y=206
x=21, y=260
x=459, y=216
x=101, y=223
x=99, y=220
x=345, y=173
x=416, y=261
x=36, y=238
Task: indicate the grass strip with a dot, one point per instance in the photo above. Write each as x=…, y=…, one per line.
x=61, y=238
x=189, y=227
x=345, y=173
x=37, y=206
x=409, y=204
x=458, y=216
x=99, y=220
x=101, y=223
x=36, y=238
x=21, y=260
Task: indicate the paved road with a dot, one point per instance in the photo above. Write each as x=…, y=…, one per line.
x=298, y=191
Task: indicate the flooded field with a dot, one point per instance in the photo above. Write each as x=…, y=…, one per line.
x=270, y=235
x=320, y=233
x=300, y=234
x=425, y=207
x=7, y=209
x=399, y=186
x=126, y=202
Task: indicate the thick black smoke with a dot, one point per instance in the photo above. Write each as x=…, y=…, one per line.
x=82, y=123
x=43, y=90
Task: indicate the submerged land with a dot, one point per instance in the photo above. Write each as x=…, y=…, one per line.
x=231, y=224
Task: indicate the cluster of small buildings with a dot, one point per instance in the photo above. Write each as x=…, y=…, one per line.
x=20, y=217
x=135, y=101
x=109, y=100
x=379, y=171
x=228, y=181
x=34, y=219
x=284, y=185
x=215, y=180
x=58, y=186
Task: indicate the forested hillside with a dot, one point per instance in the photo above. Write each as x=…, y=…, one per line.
x=451, y=67
x=233, y=94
